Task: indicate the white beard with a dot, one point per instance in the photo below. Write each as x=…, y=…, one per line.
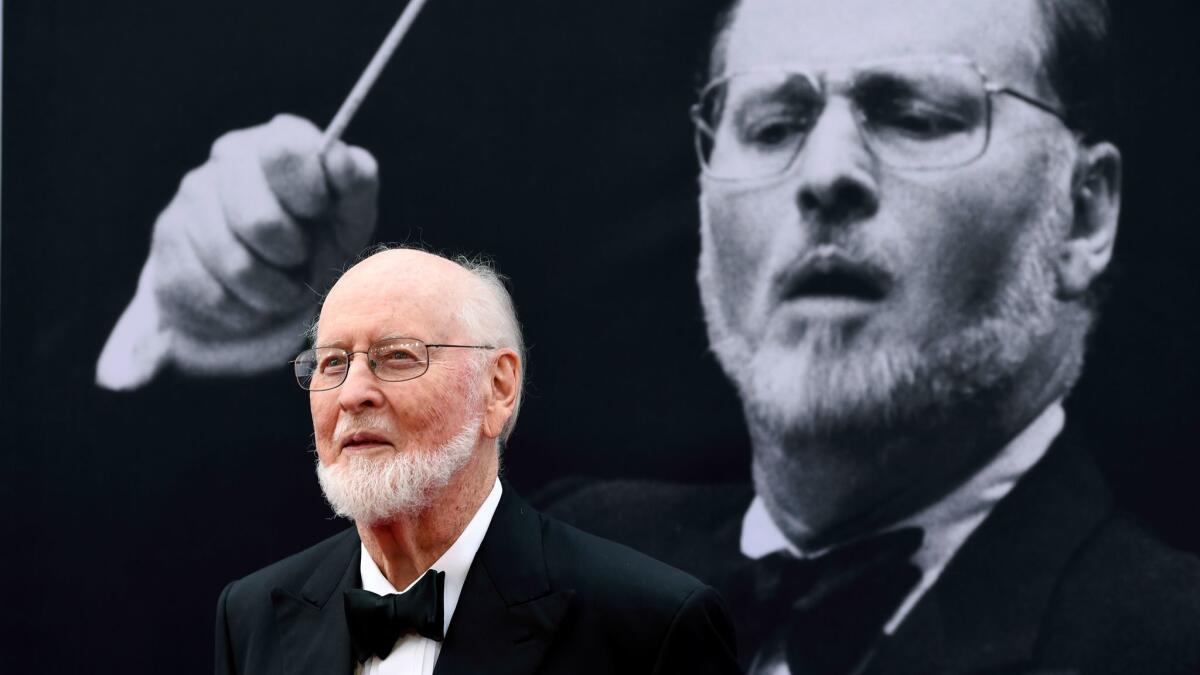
x=373, y=489
x=835, y=384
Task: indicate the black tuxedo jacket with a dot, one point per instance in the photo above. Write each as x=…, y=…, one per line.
x=1054, y=580
x=540, y=597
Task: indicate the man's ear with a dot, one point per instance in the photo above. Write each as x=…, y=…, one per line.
x=1096, y=190
x=504, y=388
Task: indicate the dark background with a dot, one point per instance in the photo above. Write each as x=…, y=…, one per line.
x=552, y=134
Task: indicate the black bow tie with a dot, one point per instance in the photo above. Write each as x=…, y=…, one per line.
x=376, y=621
x=823, y=615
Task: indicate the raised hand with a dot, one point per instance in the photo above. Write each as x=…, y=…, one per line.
x=239, y=255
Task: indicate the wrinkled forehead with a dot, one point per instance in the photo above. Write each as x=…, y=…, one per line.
x=402, y=294
x=1005, y=37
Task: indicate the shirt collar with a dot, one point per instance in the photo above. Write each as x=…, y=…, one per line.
x=455, y=562
x=948, y=522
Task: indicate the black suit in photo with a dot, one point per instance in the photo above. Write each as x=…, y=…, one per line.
x=540, y=597
x=1054, y=580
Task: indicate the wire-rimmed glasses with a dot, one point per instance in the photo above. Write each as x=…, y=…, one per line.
x=929, y=112
x=394, y=359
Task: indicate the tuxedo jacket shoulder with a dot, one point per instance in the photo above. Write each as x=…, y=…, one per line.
x=1054, y=580
x=693, y=527
x=540, y=597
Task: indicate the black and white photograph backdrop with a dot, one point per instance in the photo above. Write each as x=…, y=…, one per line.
x=554, y=137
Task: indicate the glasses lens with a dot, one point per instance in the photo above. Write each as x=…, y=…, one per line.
x=751, y=125
x=916, y=113
x=922, y=114
x=322, y=368
x=399, y=359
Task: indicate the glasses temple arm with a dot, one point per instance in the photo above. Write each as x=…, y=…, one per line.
x=1035, y=102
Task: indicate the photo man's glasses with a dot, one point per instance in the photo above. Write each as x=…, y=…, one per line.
x=914, y=113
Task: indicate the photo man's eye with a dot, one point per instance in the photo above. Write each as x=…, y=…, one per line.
x=771, y=132
x=917, y=118
x=917, y=107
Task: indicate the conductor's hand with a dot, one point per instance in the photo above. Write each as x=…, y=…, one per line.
x=238, y=256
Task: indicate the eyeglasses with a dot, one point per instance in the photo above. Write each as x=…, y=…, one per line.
x=392, y=360
x=913, y=113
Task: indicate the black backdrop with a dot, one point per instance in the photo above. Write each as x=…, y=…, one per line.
x=552, y=134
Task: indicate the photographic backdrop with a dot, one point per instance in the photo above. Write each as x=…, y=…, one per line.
x=553, y=136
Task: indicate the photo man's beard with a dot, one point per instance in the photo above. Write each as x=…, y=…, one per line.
x=375, y=488
x=833, y=383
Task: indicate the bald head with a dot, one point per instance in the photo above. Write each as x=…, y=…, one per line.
x=402, y=285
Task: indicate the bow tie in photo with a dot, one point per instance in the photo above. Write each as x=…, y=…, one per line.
x=377, y=621
x=823, y=615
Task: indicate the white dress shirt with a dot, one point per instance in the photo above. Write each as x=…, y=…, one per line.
x=415, y=654
x=947, y=523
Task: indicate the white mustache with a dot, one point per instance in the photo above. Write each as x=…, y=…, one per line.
x=373, y=421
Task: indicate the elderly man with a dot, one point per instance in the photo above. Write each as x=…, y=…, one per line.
x=905, y=208
x=414, y=382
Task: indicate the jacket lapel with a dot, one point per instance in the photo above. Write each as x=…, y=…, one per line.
x=312, y=619
x=985, y=611
x=507, y=614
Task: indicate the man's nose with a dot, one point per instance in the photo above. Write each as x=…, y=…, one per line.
x=361, y=388
x=837, y=173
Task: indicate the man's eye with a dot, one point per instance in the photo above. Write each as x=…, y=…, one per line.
x=772, y=131
x=332, y=364
x=916, y=118
x=397, y=358
x=925, y=123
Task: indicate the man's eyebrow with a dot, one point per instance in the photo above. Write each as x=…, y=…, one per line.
x=882, y=82
x=341, y=344
x=398, y=336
